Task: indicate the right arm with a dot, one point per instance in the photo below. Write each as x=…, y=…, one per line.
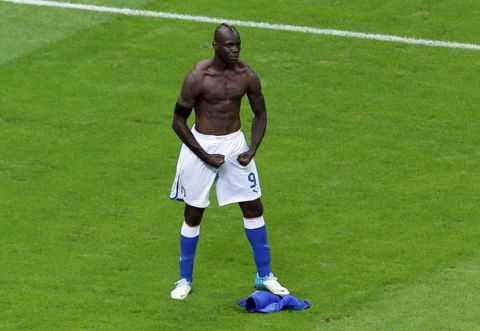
x=191, y=90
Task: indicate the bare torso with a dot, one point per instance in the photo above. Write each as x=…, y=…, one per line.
x=217, y=106
x=215, y=90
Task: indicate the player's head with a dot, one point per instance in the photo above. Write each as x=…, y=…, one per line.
x=226, y=43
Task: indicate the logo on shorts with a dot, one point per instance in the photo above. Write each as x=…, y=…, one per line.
x=183, y=192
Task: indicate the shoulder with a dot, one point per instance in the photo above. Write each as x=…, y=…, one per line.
x=195, y=76
x=248, y=71
x=243, y=67
x=202, y=65
x=251, y=77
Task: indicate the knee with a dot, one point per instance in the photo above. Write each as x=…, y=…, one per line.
x=192, y=221
x=193, y=215
x=252, y=209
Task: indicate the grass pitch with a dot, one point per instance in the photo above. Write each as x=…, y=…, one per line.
x=369, y=169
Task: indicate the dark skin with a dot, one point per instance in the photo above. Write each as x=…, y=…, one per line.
x=215, y=88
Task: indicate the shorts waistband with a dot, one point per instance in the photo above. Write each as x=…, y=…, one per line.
x=216, y=138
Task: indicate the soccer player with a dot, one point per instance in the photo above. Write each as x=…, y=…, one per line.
x=215, y=151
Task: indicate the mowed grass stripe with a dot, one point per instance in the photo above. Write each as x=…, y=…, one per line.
x=261, y=25
x=447, y=300
x=24, y=29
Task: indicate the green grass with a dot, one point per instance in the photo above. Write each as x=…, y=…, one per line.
x=369, y=169
x=447, y=300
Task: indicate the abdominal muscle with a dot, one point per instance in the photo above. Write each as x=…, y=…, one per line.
x=217, y=119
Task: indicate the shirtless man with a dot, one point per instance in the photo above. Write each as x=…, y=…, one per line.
x=215, y=151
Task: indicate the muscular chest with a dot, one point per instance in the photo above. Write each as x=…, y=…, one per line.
x=224, y=87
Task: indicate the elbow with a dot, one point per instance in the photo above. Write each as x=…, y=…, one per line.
x=177, y=124
x=174, y=126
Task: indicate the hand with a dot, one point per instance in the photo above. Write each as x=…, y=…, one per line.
x=245, y=158
x=215, y=160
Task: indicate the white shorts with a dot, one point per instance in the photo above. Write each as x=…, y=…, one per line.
x=234, y=182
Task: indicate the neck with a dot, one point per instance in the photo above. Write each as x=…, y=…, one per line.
x=221, y=64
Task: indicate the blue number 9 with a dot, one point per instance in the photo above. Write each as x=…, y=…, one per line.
x=252, y=179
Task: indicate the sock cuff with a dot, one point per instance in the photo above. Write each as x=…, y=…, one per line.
x=190, y=231
x=253, y=223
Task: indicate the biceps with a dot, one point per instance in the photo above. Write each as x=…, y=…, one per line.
x=189, y=94
x=185, y=101
x=257, y=102
x=186, y=98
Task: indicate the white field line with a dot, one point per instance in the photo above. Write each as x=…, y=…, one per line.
x=261, y=25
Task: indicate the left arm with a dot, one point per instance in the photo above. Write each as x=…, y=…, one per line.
x=259, y=124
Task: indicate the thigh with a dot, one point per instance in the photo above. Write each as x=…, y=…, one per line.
x=193, y=180
x=236, y=183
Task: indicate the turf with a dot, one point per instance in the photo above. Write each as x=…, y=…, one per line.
x=369, y=169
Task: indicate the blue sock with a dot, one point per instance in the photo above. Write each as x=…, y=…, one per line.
x=257, y=236
x=188, y=245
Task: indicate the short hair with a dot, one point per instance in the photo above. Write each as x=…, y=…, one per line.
x=222, y=27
